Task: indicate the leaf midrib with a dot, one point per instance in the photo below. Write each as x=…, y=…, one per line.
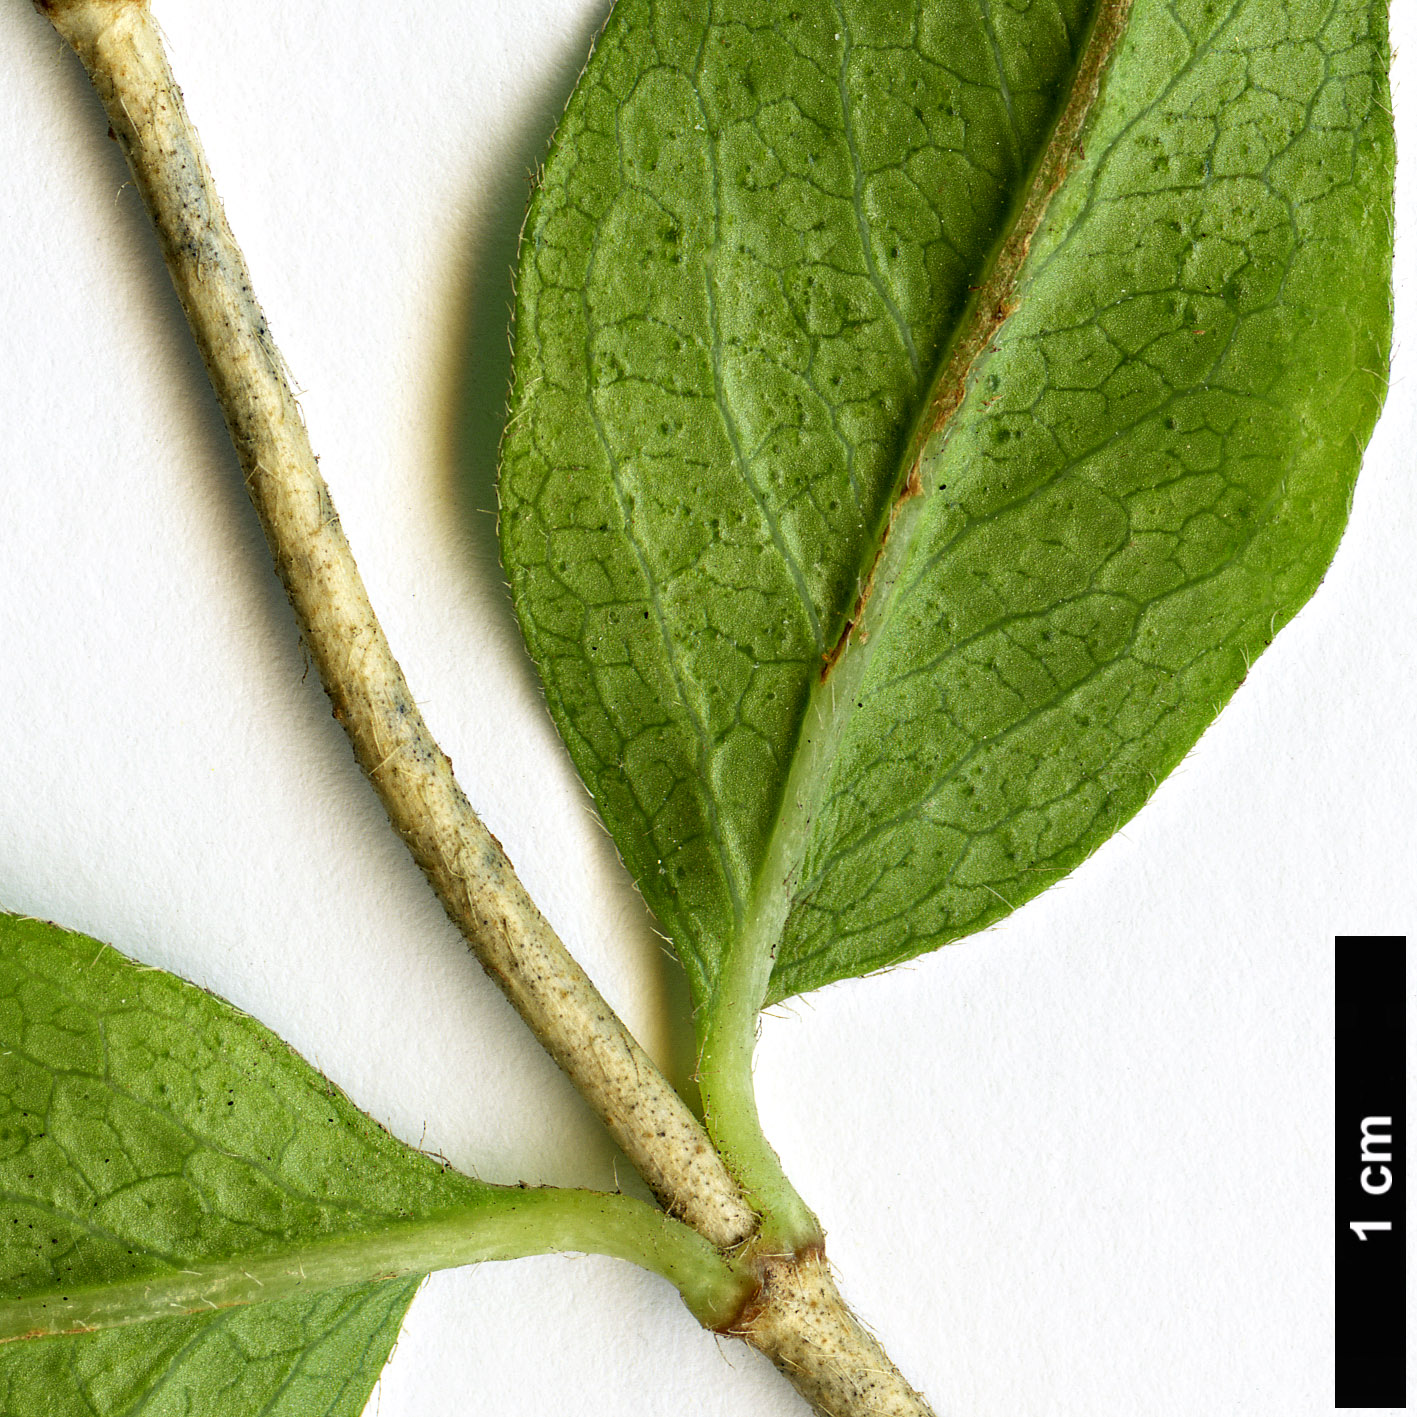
x=398, y=1250
x=824, y=867
x=501, y=1223
x=742, y=985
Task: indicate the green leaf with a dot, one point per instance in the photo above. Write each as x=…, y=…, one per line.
x=311, y=1355
x=923, y=415
x=246, y=1240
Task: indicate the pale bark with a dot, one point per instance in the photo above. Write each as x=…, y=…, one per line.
x=795, y=1316
x=799, y=1319
x=121, y=48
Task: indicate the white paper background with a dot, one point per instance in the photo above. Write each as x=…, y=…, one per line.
x=1080, y=1165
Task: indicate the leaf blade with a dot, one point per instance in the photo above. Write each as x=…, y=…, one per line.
x=716, y=589
x=1167, y=536
x=652, y=667
x=182, y=1195
x=150, y=1129
x=308, y=1355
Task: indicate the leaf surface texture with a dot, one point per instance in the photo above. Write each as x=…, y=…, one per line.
x=310, y=1355
x=163, y=1153
x=861, y=633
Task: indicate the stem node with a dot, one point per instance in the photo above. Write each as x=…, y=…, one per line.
x=798, y=1318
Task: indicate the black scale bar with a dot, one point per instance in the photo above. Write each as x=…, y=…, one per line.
x=1370, y=1360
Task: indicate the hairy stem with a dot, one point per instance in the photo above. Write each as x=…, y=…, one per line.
x=122, y=51
x=779, y=1295
x=799, y=1320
